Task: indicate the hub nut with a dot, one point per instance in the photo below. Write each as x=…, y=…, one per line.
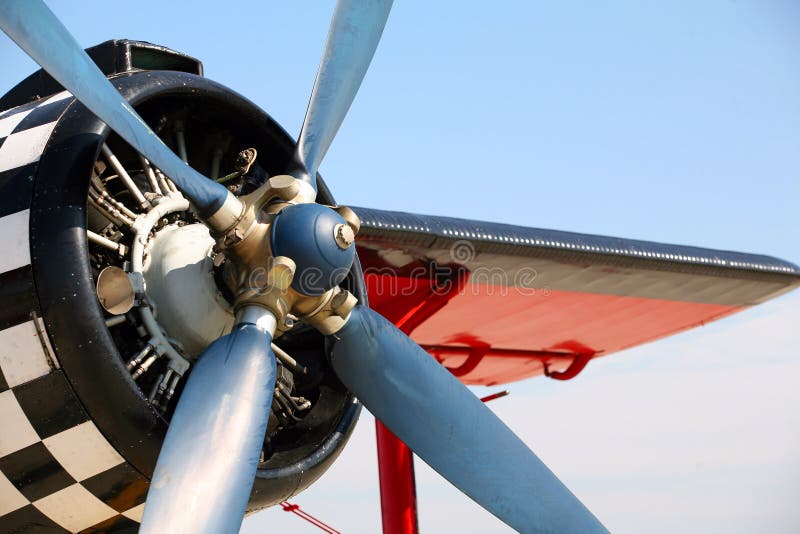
x=344, y=235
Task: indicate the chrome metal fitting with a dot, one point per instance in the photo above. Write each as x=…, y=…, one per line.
x=118, y=291
x=223, y=221
x=259, y=316
x=330, y=311
x=268, y=286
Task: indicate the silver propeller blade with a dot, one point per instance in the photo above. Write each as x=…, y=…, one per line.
x=208, y=461
x=39, y=33
x=355, y=30
x=449, y=428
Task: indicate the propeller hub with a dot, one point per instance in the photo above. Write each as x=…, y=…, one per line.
x=314, y=236
x=289, y=254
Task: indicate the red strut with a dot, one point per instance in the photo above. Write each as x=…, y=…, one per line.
x=395, y=459
x=396, y=474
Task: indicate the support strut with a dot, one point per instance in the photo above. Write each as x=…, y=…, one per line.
x=398, y=491
x=395, y=459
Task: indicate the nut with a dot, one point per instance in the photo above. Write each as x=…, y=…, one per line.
x=344, y=235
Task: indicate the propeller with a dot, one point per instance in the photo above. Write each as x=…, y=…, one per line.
x=205, y=470
x=450, y=428
x=208, y=461
x=353, y=37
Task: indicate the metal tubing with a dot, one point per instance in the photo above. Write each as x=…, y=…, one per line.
x=181, y=142
x=145, y=366
x=109, y=212
x=216, y=159
x=151, y=175
x=102, y=196
x=139, y=357
x=124, y=176
x=102, y=241
x=144, y=224
x=288, y=361
x=114, y=321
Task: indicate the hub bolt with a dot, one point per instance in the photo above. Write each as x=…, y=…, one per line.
x=344, y=235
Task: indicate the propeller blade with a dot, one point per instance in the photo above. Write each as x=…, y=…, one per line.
x=448, y=427
x=355, y=30
x=42, y=36
x=208, y=461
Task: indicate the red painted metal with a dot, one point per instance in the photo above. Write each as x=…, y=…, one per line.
x=398, y=491
x=492, y=335
x=295, y=509
x=494, y=396
x=570, y=372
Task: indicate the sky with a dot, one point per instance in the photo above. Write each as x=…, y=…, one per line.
x=676, y=122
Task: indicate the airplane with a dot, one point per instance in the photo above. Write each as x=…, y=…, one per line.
x=375, y=226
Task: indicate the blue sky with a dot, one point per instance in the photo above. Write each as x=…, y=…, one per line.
x=675, y=122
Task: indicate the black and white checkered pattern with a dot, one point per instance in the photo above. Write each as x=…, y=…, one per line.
x=56, y=468
x=24, y=132
x=57, y=471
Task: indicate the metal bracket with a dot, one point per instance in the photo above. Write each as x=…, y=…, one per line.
x=577, y=365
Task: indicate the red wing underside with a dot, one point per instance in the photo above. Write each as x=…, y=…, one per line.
x=498, y=303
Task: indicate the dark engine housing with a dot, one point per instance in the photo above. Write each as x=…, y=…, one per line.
x=166, y=88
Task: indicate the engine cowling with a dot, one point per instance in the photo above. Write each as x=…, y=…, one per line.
x=84, y=354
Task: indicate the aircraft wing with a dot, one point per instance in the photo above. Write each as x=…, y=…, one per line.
x=497, y=303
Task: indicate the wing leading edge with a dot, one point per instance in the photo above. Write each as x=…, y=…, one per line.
x=497, y=303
